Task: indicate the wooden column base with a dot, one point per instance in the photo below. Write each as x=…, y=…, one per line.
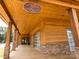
x=6, y=53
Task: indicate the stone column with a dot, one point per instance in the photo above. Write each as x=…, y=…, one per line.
x=7, y=44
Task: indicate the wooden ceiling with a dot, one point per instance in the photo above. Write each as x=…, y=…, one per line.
x=26, y=21
x=3, y=14
x=71, y=1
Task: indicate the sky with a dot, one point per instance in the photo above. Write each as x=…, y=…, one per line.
x=2, y=23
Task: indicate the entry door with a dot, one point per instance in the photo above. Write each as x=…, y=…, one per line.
x=37, y=40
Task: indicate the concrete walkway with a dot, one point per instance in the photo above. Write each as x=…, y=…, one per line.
x=26, y=52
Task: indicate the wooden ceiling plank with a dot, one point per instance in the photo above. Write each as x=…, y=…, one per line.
x=9, y=15
x=61, y=3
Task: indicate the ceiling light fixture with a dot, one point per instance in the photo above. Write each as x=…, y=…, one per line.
x=32, y=7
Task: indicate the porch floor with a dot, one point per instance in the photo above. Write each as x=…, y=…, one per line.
x=27, y=52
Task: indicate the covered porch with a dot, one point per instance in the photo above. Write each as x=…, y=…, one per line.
x=44, y=23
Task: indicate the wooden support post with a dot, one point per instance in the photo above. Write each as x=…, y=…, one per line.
x=8, y=37
x=17, y=36
x=17, y=39
x=14, y=41
x=74, y=25
x=19, y=42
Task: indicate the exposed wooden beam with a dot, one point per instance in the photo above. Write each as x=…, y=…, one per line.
x=62, y=3
x=24, y=35
x=8, y=13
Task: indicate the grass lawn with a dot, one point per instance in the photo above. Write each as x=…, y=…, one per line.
x=1, y=52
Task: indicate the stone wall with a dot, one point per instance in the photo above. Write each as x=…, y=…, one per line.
x=55, y=48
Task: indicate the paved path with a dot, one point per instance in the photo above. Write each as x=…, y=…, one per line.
x=26, y=52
